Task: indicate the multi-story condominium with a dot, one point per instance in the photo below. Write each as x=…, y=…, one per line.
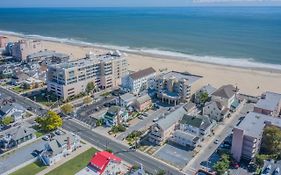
x=248, y=134
x=269, y=104
x=3, y=41
x=165, y=127
x=71, y=78
x=23, y=48
x=174, y=87
x=138, y=81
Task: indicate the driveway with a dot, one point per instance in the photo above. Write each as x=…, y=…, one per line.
x=20, y=155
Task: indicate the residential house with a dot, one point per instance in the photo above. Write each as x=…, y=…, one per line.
x=269, y=104
x=6, y=71
x=126, y=100
x=115, y=116
x=185, y=139
x=174, y=87
x=248, y=134
x=225, y=95
x=15, y=110
x=58, y=147
x=19, y=77
x=143, y=102
x=208, y=89
x=16, y=136
x=215, y=110
x=198, y=125
x=32, y=83
x=164, y=128
x=138, y=81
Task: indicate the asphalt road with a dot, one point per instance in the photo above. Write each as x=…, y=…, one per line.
x=25, y=102
x=134, y=157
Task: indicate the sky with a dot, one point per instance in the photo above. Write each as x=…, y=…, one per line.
x=130, y=3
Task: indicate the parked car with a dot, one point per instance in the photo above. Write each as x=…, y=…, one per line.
x=140, y=117
x=216, y=141
x=267, y=170
x=46, y=138
x=155, y=120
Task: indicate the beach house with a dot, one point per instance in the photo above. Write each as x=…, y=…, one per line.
x=269, y=104
x=16, y=136
x=215, y=110
x=14, y=110
x=58, y=147
x=115, y=115
x=208, y=89
x=165, y=127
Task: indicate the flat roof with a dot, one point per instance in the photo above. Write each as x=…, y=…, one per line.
x=254, y=123
x=269, y=101
x=181, y=75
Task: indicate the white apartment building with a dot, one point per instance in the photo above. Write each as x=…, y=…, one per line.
x=138, y=81
x=71, y=78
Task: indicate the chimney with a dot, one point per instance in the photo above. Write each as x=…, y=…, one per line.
x=68, y=143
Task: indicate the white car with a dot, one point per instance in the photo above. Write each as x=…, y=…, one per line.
x=216, y=141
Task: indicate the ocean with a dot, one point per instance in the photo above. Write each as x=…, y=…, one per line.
x=238, y=36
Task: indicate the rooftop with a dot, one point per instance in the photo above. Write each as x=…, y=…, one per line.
x=269, y=101
x=207, y=88
x=186, y=135
x=47, y=54
x=254, y=123
x=19, y=132
x=142, y=73
x=226, y=91
x=128, y=97
x=101, y=159
x=171, y=118
x=199, y=121
x=181, y=76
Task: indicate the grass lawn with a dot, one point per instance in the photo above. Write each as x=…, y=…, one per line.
x=18, y=89
x=30, y=169
x=74, y=165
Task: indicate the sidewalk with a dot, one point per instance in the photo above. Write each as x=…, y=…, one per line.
x=71, y=156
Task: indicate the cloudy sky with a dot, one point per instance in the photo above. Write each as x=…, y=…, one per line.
x=126, y=3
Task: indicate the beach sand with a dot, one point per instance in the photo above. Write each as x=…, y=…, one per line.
x=247, y=79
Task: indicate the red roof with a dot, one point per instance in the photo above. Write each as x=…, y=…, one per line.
x=101, y=159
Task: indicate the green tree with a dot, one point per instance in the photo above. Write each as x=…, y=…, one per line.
x=259, y=159
x=87, y=100
x=271, y=140
x=7, y=120
x=90, y=87
x=161, y=172
x=203, y=97
x=67, y=108
x=222, y=165
x=50, y=122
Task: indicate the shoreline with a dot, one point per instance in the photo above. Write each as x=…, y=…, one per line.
x=183, y=57
x=250, y=81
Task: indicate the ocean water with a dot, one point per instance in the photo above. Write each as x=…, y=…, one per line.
x=239, y=36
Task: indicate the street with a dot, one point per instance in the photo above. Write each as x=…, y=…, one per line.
x=134, y=157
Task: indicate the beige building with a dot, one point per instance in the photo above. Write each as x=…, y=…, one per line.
x=174, y=87
x=3, y=41
x=71, y=78
x=22, y=48
x=165, y=127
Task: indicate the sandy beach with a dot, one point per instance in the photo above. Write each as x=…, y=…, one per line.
x=247, y=79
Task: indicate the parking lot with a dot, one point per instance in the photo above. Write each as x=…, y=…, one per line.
x=175, y=155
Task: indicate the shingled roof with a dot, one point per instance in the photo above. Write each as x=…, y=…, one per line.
x=142, y=73
x=226, y=91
